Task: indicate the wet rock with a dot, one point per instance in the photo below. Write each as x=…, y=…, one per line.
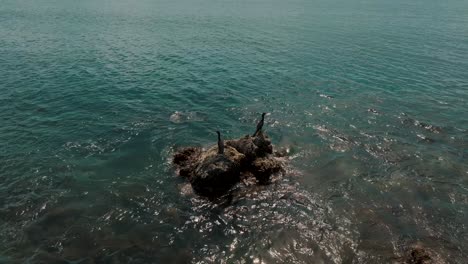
x=326, y=96
x=212, y=174
x=186, y=160
x=185, y=189
x=282, y=152
x=185, y=172
x=252, y=147
x=263, y=168
x=264, y=145
x=217, y=173
x=183, y=117
x=426, y=140
x=185, y=155
x=248, y=178
x=418, y=255
x=245, y=145
x=229, y=152
x=429, y=127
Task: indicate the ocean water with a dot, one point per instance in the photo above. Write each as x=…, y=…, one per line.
x=370, y=98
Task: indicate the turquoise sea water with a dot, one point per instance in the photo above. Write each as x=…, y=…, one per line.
x=369, y=97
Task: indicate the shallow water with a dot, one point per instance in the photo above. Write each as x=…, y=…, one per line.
x=369, y=97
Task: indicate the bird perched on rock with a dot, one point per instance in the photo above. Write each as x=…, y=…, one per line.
x=220, y=143
x=260, y=125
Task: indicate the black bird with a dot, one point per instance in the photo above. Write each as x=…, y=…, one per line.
x=260, y=125
x=220, y=143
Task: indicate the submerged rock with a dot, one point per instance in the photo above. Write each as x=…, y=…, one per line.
x=418, y=255
x=212, y=174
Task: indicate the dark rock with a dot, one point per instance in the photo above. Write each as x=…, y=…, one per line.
x=326, y=96
x=244, y=146
x=264, y=145
x=263, y=168
x=217, y=173
x=248, y=178
x=212, y=174
x=418, y=255
x=186, y=159
x=427, y=140
x=431, y=128
x=252, y=147
x=185, y=155
x=185, y=172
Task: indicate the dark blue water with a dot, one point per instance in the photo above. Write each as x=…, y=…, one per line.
x=369, y=97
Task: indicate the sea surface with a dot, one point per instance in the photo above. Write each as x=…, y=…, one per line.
x=369, y=98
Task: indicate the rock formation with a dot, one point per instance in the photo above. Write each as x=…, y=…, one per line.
x=212, y=174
